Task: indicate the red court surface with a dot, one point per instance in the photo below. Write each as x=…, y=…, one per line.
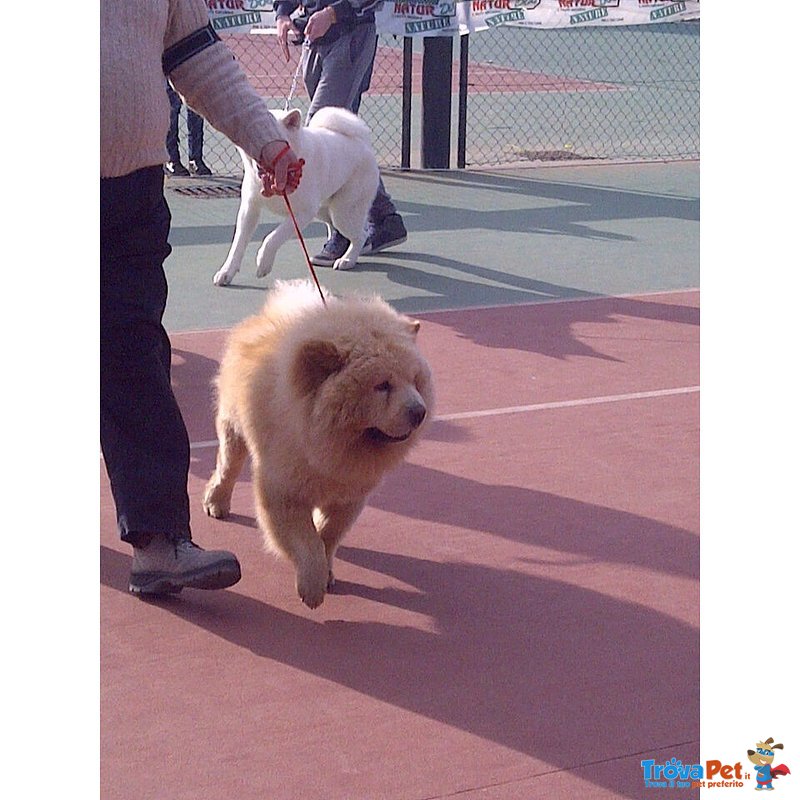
x=517, y=609
x=266, y=69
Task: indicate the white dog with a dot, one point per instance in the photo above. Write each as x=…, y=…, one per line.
x=339, y=183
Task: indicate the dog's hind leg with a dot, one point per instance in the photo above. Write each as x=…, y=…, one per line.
x=246, y=223
x=265, y=257
x=324, y=215
x=349, y=214
x=231, y=455
x=332, y=524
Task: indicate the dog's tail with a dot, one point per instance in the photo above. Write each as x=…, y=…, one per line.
x=342, y=121
x=293, y=297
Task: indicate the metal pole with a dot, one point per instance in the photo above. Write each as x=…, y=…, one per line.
x=463, y=89
x=437, y=101
x=408, y=64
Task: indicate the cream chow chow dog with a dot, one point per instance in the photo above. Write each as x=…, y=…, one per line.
x=340, y=179
x=325, y=399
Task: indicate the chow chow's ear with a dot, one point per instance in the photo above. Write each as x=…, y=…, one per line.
x=314, y=363
x=293, y=120
x=413, y=326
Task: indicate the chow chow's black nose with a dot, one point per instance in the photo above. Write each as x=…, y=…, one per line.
x=416, y=414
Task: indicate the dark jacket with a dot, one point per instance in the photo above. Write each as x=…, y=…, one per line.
x=349, y=13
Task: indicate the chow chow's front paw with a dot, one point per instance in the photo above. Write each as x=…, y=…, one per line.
x=312, y=584
x=216, y=505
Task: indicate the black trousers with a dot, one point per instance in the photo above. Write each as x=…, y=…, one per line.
x=142, y=434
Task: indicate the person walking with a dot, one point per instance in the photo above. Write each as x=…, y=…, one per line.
x=341, y=42
x=194, y=130
x=143, y=437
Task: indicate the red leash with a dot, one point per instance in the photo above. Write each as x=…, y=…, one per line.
x=294, y=171
x=305, y=249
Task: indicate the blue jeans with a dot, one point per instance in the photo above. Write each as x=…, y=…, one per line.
x=337, y=74
x=194, y=125
x=142, y=434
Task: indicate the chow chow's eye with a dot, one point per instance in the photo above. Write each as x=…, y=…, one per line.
x=384, y=387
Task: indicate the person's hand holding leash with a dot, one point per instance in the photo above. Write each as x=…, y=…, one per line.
x=318, y=25
x=320, y=22
x=279, y=169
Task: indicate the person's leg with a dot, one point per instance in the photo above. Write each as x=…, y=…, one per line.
x=194, y=124
x=385, y=225
x=382, y=206
x=338, y=74
x=174, y=165
x=144, y=440
x=142, y=434
x=172, y=135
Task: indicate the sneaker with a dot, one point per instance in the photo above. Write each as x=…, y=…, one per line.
x=165, y=567
x=388, y=233
x=176, y=168
x=199, y=167
x=332, y=250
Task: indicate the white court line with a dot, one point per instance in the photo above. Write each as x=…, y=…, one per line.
x=554, y=301
x=500, y=412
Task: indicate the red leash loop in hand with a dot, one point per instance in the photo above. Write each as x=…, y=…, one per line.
x=305, y=249
x=280, y=155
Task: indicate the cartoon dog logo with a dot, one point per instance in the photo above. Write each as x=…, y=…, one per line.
x=762, y=757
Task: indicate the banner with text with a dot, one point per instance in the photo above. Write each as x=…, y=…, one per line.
x=240, y=16
x=451, y=17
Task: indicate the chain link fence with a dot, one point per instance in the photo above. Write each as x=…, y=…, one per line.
x=613, y=93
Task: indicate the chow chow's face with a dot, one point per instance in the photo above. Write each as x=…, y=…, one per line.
x=393, y=406
x=372, y=395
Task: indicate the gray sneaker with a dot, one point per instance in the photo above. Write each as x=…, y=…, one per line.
x=331, y=251
x=388, y=233
x=165, y=567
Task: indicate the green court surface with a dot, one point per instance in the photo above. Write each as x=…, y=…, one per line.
x=476, y=238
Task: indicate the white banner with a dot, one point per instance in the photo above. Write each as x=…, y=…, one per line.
x=445, y=17
x=240, y=16
x=451, y=17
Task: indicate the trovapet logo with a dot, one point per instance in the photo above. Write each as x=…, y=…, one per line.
x=674, y=774
x=716, y=774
